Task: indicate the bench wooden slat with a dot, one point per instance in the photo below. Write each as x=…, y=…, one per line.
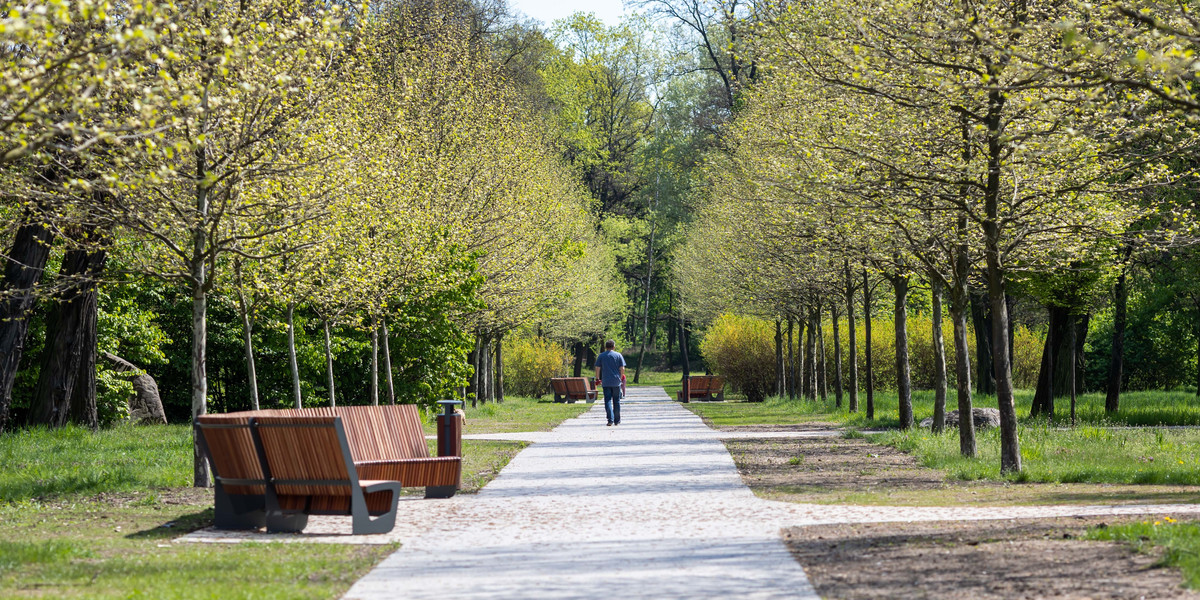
x=308, y=459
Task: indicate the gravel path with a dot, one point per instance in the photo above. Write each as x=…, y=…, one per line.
x=653, y=507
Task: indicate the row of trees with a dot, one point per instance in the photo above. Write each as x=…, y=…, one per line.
x=355, y=166
x=973, y=148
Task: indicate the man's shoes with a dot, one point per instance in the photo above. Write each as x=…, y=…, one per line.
x=617, y=423
x=610, y=424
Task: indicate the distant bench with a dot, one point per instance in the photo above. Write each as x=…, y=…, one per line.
x=570, y=389
x=703, y=387
x=273, y=468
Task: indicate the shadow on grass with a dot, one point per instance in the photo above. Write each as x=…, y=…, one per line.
x=174, y=528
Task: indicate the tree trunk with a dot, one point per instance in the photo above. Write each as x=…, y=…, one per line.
x=1010, y=445
x=1116, y=363
x=852, y=335
x=473, y=382
x=683, y=349
x=790, y=368
x=801, y=381
x=810, y=365
x=578, y=370
x=329, y=364
x=199, y=372
x=499, y=368
x=68, y=361
x=960, y=302
x=292, y=363
x=1043, y=397
x=837, y=355
x=903, y=369
x=870, y=373
x=939, y=361
x=200, y=283
x=387, y=365
x=822, y=366
x=1073, y=353
x=248, y=345
x=83, y=397
x=779, y=377
x=22, y=272
x=486, y=365
x=1057, y=351
x=374, y=386
x=962, y=372
x=981, y=316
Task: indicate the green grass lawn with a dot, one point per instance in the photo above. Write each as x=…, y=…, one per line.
x=1179, y=543
x=120, y=547
x=517, y=414
x=1137, y=409
x=1091, y=452
x=93, y=515
x=1086, y=454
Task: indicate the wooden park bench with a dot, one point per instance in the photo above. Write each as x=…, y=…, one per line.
x=570, y=389
x=310, y=470
x=703, y=387
x=386, y=443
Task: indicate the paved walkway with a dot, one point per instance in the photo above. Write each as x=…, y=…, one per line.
x=653, y=508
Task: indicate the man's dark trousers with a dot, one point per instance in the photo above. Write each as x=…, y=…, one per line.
x=612, y=404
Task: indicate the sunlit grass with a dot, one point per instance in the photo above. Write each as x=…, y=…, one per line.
x=1086, y=454
x=1137, y=409
x=517, y=414
x=41, y=462
x=93, y=548
x=1178, y=542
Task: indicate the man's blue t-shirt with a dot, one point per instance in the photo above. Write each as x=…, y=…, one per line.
x=610, y=363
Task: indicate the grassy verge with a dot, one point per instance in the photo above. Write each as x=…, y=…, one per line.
x=1137, y=409
x=1082, y=455
x=92, y=515
x=40, y=463
x=1179, y=543
x=517, y=414
x=119, y=546
x=1092, y=452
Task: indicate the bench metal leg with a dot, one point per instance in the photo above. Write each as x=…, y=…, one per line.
x=238, y=511
x=440, y=491
x=281, y=522
x=363, y=523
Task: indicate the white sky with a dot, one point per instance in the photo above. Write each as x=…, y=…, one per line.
x=547, y=11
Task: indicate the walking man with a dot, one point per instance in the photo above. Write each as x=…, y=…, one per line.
x=610, y=370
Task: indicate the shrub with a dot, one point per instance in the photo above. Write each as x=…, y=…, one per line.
x=742, y=350
x=529, y=363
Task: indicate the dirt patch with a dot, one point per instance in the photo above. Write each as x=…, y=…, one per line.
x=838, y=470
x=977, y=559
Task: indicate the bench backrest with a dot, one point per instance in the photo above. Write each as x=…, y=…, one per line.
x=306, y=456
x=384, y=432
x=387, y=432
x=705, y=384
x=230, y=448
x=559, y=385
x=577, y=387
